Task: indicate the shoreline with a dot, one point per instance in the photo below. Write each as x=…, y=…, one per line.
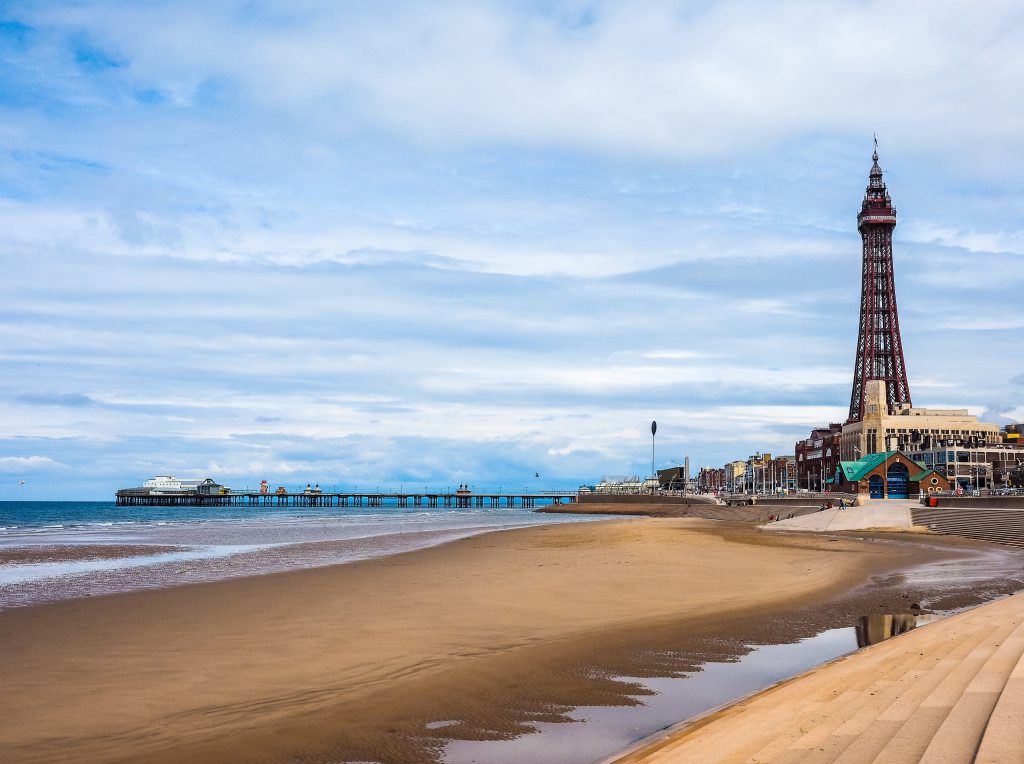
x=497, y=631
x=36, y=570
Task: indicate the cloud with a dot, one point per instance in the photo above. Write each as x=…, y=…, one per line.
x=27, y=463
x=672, y=355
x=70, y=400
x=649, y=80
x=971, y=241
x=1000, y=412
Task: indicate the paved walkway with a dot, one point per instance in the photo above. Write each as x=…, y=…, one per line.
x=951, y=692
x=875, y=513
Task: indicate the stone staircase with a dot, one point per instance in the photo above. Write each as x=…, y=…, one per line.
x=756, y=513
x=952, y=692
x=1004, y=526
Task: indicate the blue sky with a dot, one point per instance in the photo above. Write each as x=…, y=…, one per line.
x=421, y=244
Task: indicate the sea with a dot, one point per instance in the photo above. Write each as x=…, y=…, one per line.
x=59, y=550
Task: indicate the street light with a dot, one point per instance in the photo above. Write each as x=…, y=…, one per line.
x=654, y=430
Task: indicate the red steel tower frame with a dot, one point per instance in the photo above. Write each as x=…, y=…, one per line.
x=879, y=347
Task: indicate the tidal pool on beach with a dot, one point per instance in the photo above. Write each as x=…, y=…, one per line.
x=603, y=733
x=599, y=732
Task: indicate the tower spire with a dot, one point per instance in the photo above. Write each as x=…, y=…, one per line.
x=879, y=346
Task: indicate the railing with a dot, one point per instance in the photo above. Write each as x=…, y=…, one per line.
x=833, y=496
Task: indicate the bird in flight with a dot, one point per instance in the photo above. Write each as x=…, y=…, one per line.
x=536, y=474
x=21, y=482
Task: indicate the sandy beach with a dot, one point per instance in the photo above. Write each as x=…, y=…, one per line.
x=357, y=662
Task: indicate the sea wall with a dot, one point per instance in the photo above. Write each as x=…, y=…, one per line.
x=978, y=502
x=641, y=498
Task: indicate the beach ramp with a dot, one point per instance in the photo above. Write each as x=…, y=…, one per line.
x=951, y=691
x=877, y=514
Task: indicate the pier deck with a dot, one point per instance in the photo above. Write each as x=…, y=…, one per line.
x=254, y=499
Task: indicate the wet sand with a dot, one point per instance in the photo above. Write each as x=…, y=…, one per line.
x=28, y=555
x=360, y=661
x=644, y=509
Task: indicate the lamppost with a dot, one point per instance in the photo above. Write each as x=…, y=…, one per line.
x=856, y=454
x=885, y=468
x=654, y=430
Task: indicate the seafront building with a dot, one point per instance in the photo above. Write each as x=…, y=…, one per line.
x=711, y=479
x=734, y=472
x=988, y=466
x=618, y=484
x=675, y=479
x=890, y=474
x=817, y=457
x=905, y=428
x=168, y=484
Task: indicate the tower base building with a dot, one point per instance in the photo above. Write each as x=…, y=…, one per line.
x=909, y=429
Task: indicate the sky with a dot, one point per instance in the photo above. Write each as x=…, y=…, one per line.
x=398, y=245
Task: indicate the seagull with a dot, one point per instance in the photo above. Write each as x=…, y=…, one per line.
x=21, y=482
x=536, y=474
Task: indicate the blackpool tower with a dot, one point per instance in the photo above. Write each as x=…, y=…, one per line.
x=879, y=348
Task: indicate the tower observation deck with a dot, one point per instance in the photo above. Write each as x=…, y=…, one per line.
x=879, y=347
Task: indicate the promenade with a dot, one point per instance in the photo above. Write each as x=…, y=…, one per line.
x=951, y=691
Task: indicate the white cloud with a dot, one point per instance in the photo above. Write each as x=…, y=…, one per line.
x=672, y=355
x=27, y=463
x=650, y=79
x=973, y=241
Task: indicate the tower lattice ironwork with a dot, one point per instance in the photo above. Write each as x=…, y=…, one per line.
x=879, y=347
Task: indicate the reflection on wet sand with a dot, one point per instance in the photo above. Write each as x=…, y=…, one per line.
x=872, y=629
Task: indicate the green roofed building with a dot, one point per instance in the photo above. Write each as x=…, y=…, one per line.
x=887, y=475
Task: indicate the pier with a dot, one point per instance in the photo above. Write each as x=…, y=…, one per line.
x=133, y=497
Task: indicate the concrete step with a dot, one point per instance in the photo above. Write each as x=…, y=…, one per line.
x=1003, y=739
x=863, y=736
x=795, y=711
x=1004, y=526
x=957, y=740
x=826, y=735
x=912, y=739
x=931, y=694
x=1014, y=521
x=952, y=522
